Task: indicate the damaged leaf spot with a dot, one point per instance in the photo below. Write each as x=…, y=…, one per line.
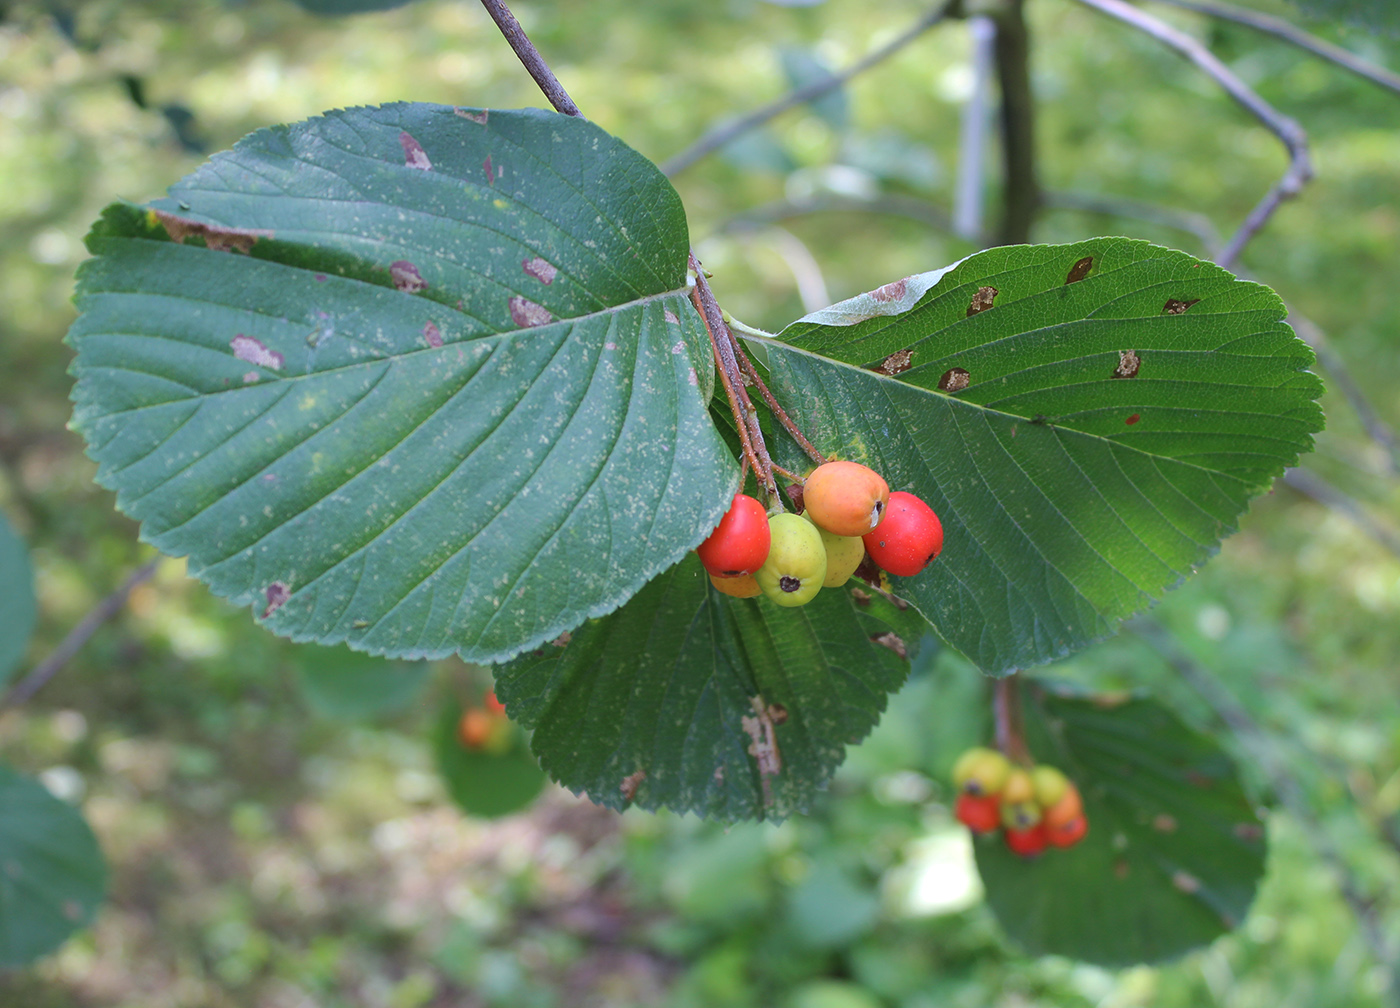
x=1249, y=831
x=1132, y=419
x=255, y=351
x=525, y=313
x=1164, y=823
x=251, y=377
x=861, y=598
x=1175, y=307
x=1080, y=270
x=563, y=639
x=476, y=117
x=954, y=380
x=895, y=363
x=628, y=787
x=763, y=741
x=1186, y=882
x=413, y=154
x=670, y=317
x=1128, y=364
x=277, y=593
x=890, y=291
x=892, y=641
x=406, y=277
x=216, y=239
x=981, y=301
x=433, y=335
x=1120, y=868
x=541, y=270
x=486, y=167
x=797, y=495
x=359, y=624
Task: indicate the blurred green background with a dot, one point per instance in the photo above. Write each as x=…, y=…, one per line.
x=269, y=851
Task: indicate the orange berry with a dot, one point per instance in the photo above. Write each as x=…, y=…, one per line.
x=1067, y=834
x=845, y=498
x=743, y=586
x=475, y=728
x=1070, y=806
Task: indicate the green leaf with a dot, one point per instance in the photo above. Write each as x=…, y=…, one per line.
x=803, y=69
x=52, y=875
x=331, y=7
x=415, y=378
x=679, y=698
x=1378, y=15
x=1175, y=850
x=484, y=782
x=18, y=610
x=1099, y=435
x=347, y=685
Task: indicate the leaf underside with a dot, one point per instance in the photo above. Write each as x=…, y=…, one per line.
x=1088, y=421
x=18, y=609
x=1175, y=851
x=415, y=378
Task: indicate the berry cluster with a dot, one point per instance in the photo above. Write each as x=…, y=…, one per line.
x=1039, y=807
x=485, y=727
x=848, y=512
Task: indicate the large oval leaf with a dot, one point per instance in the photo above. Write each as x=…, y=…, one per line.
x=1088, y=420
x=1175, y=850
x=52, y=875
x=418, y=378
x=18, y=610
x=692, y=700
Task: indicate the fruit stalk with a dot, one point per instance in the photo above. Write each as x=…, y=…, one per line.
x=1010, y=728
x=752, y=373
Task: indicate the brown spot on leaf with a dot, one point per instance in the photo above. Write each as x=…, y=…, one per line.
x=563, y=639
x=861, y=598
x=890, y=291
x=1128, y=364
x=541, y=270
x=628, y=787
x=954, y=380
x=73, y=910
x=476, y=117
x=1175, y=307
x=255, y=351
x=670, y=317
x=432, y=334
x=1120, y=868
x=892, y=641
x=406, y=277
x=321, y=277
x=895, y=363
x=981, y=301
x=1080, y=270
x=413, y=154
x=778, y=713
x=486, y=167
x=217, y=239
x=1110, y=699
x=525, y=313
x=1133, y=419
x=1164, y=823
x=1249, y=831
x=1186, y=882
x=277, y=594
x=763, y=744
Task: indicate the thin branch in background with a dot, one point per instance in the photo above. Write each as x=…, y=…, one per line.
x=1113, y=206
x=1281, y=779
x=716, y=137
x=894, y=205
x=22, y=691
x=1314, y=486
x=806, y=271
x=1289, y=133
x=1020, y=198
x=1288, y=32
x=530, y=56
x=972, y=144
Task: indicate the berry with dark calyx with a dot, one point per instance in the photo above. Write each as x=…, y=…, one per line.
x=1067, y=833
x=1019, y=815
x=796, y=565
x=981, y=771
x=843, y=555
x=1027, y=843
x=845, y=498
x=1050, y=785
x=1070, y=806
x=979, y=813
x=743, y=586
x=739, y=545
x=909, y=537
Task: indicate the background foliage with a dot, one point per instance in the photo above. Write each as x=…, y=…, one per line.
x=264, y=854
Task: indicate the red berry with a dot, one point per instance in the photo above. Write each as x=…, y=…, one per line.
x=1067, y=834
x=979, y=813
x=492, y=704
x=1028, y=842
x=740, y=544
x=909, y=537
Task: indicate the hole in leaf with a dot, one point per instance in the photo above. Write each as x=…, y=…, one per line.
x=1080, y=270
x=628, y=787
x=954, y=380
x=892, y=641
x=476, y=117
x=981, y=301
x=1175, y=307
x=1128, y=364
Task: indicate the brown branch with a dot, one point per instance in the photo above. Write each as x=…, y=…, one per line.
x=1314, y=486
x=896, y=206
x=1289, y=133
x=752, y=372
x=1114, y=206
x=22, y=691
x=718, y=136
x=530, y=56
x=1021, y=193
x=1291, y=33
x=1010, y=727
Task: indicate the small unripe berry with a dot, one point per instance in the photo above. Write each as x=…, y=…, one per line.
x=1019, y=815
x=1027, y=843
x=796, y=564
x=1067, y=834
x=843, y=555
x=909, y=537
x=739, y=545
x=1018, y=788
x=979, y=813
x=1050, y=785
x=743, y=586
x=845, y=498
x=981, y=771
